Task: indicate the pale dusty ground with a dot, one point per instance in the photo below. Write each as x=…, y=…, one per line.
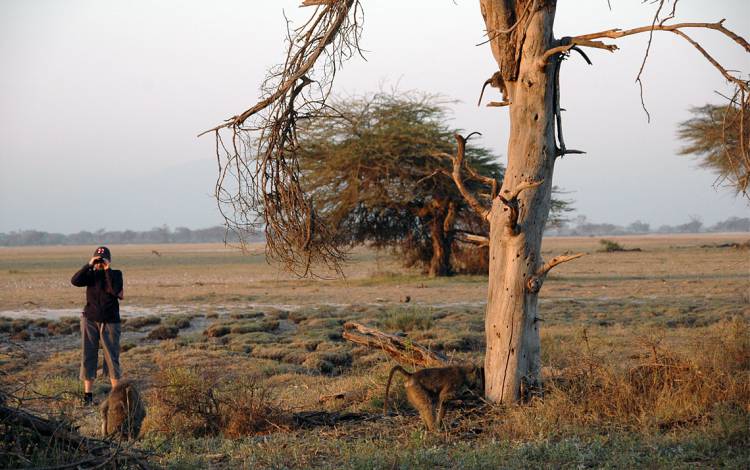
x=34, y=281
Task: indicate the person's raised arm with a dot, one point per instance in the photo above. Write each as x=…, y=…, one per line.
x=82, y=277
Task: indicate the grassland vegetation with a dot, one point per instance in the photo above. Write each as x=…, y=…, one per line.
x=646, y=365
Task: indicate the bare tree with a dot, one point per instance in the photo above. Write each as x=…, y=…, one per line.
x=529, y=59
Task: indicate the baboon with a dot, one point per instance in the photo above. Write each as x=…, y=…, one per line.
x=427, y=387
x=123, y=411
x=495, y=81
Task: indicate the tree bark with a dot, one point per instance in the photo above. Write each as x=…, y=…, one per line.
x=512, y=360
x=442, y=241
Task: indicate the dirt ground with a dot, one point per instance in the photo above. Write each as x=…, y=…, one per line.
x=209, y=321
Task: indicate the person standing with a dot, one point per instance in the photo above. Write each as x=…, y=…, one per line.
x=100, y=319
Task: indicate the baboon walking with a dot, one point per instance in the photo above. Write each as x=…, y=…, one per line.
x=427, y=388
x=123, y=411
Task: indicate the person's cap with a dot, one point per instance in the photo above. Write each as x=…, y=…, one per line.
x=103, y=252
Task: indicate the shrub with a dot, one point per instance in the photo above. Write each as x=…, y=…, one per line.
x=62, y=328
x=408, y=319
x=179, y=322
x=609, y=246
x=21, y=336
x=270, y=352
x=163, y=332
x=137, y=323
x=243, y=316
x=217, y=330
x=19, y=324
x=252, y=327
x=193, y=403
x=317, y=363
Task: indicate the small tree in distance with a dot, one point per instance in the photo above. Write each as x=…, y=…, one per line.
x=376, y=170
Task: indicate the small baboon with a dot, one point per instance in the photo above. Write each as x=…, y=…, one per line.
x=495, y=81
x=123, y=411
x=427, y=388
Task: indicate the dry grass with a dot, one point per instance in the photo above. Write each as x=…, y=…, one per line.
x=662, y=391
x=192, y=402
x=649, y=363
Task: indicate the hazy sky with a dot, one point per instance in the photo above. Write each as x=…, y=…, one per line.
x=100, y=102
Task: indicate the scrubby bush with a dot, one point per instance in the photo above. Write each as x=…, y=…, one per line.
x=21, y=336
x=408, y=319
x=609, y=246
x=136, y=323
x=244, y=316
x=217, y=330
x=270, y=352
x=197, y=403
x=163, y=332
x=61, y=328
x=251, y=327
x=180, y=322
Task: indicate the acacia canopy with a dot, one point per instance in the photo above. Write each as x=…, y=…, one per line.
x=377, y=171
x=720, y=136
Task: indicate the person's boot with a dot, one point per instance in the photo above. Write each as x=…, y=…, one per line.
x=88, y=399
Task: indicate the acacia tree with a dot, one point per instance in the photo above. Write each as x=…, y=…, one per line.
x=529, y=58
x=719, y=135
x=375, y=170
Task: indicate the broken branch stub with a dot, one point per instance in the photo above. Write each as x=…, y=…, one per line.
x=510, y=200
x=534, y=284
x=458, y=163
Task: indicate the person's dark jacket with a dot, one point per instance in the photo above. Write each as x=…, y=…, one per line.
x=102, y=288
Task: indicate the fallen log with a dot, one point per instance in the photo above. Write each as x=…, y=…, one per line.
x=402, y=349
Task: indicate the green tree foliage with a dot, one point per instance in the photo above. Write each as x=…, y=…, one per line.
x=378, y=170
x=720, y=136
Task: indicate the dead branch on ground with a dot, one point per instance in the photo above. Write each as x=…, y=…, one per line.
x=400, y=348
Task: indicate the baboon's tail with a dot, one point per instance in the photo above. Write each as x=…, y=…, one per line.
x=388, y=385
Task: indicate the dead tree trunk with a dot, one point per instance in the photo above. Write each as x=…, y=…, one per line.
x=517, y=218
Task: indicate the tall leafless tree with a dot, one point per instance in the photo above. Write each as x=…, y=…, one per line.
x=256, y=151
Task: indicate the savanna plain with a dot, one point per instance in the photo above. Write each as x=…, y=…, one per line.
x=646, y=359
